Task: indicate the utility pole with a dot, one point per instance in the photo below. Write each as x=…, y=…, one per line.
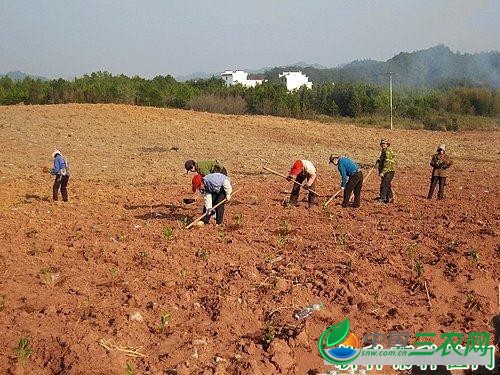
x=390, y=94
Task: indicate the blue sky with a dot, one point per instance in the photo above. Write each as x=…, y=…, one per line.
x=65, y=38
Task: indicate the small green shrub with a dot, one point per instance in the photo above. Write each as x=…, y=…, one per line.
x=474, y=255
x=164, y=321
x=239, y=220
x=203, y=254
x=23, y=350
x=168, y=233
x=269, y=334
x=418, y=268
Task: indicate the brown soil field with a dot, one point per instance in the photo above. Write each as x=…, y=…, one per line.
x=74, y=273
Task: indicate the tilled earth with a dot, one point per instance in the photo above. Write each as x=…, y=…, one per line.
x=116, y=263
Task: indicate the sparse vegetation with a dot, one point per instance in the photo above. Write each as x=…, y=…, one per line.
x=129, y=368
x=183, y=273
x=418, y=268
x=120, y=237
x=112, y=272
x=203, y=254
x=232, y=104
x=376, y=295
x=341, y=240
x=168, y=233
x=222, y=235
x=348, y=265
x=142, y=257
x=411, y=250
x=269, y=334
x=31, y=233
x=281, y=240
x=469, y=297
x=470, y=301
x=239, y=220
x=185, y=221
x=23, y=350
x=48, y=276
x=452, y=246
x=3, y=298
x=474, y=255
x=164, y=321
x=286, y=225
x=86, y=309
x=420, y=215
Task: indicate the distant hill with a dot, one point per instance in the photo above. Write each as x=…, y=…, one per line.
x=205, y=75
x=19, y=76
x=432, y=67
x=197, y=75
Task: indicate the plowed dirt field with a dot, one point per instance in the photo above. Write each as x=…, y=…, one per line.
x=115, y=259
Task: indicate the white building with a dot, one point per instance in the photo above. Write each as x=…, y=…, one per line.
x=231, y=77
x=294, y=80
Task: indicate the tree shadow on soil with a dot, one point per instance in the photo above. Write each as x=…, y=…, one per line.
x=247, y=173
x=163, y=215
x=175, y=212
x=138, y=206
x=234, y=203
x=37, y=197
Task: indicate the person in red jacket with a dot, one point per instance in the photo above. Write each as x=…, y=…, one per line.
x=304, y=173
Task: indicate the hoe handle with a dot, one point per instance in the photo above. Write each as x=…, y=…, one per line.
x=213, y=208
x=337, y=193
x=331, y=198
x=295, y=182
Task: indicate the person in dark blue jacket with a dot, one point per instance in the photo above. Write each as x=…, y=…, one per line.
x=61, y=171
x=352, y=178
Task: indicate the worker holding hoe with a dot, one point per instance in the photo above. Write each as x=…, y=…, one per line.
x=305, y=176
x=352, y=178
x=386, y=166
x=204, y=167
x=62, y=173
x=440, y=163
x=215, y=187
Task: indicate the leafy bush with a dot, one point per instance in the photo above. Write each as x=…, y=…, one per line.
x=215, y=103
x=436, y=108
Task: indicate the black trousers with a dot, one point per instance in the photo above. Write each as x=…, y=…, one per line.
x=385, y=187
x=434, y=182
x=219, y=211
x=294, y=197
x=61, y=182
x=355, y=183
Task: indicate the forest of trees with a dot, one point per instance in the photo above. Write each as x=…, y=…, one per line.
x=435, y=67
x=344, y=99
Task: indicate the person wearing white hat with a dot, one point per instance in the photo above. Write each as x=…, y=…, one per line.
x=440, y=164
x=62, y=173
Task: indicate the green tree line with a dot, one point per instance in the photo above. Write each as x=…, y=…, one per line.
x=270, y=98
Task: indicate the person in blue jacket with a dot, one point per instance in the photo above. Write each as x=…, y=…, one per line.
x=61, y=171
x=352, y=178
